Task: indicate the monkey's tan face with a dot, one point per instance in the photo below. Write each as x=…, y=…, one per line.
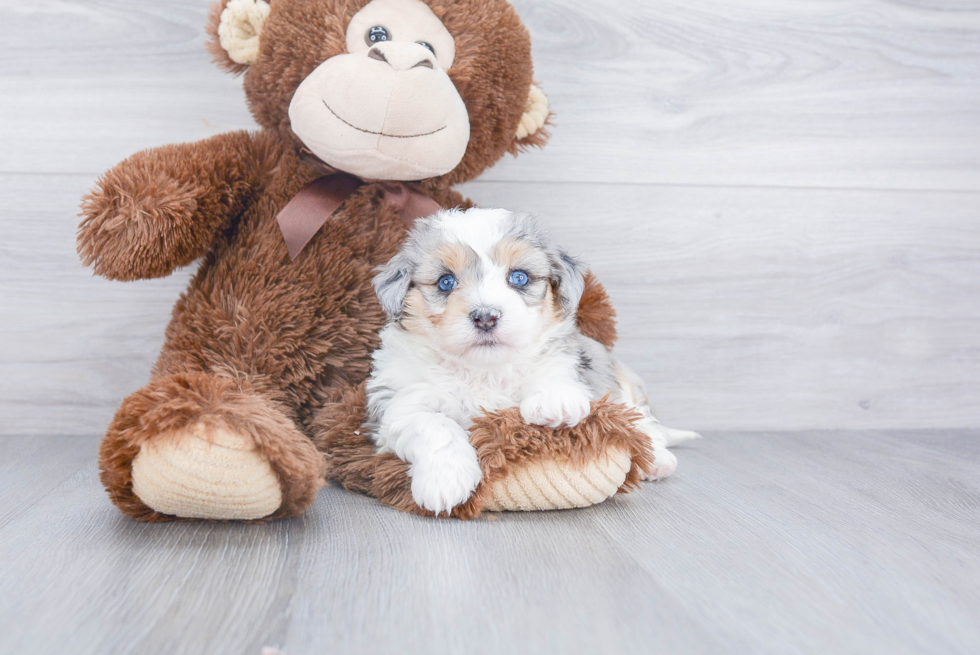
x=386, y=109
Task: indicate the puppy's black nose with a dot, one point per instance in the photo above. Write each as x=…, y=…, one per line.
x=485, y=318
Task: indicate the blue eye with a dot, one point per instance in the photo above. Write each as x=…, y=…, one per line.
x=518, y=278
x=447, y=283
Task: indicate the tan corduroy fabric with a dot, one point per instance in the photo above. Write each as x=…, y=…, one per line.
x=219, y=475
x=551, y=484
x=240, y=29
x=525, y=467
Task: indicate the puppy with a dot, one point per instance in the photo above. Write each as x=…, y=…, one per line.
x=481, y=307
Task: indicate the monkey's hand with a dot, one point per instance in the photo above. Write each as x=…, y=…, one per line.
x=162, y=208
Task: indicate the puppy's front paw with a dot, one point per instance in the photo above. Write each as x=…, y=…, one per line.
x=564, y=406
x=445, y=478
x=664, y=463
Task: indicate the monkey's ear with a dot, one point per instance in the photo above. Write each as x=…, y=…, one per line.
x=235, y=27
x=531, y=130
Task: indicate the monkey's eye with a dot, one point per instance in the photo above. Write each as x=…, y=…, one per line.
x=427, y=47
x=518, y=278
x=377, y=35
x=447, y=283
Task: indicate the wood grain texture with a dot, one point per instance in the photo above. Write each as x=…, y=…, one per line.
x=750, y=308
x=693, y=164
x=73, y=345
x=783, y=200
x=85, y=83
x=818, y=542
x=844, y=93
x=742, y=308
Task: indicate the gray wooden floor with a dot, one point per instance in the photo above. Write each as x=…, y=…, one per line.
x=783, y=198
x=804, y=542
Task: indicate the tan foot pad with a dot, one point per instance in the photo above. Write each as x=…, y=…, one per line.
x=555, y=485
x=191, y=476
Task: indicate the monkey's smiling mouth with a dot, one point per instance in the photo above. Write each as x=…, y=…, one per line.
x=393, y=136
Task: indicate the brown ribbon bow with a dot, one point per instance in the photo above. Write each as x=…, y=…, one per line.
x=310, y=209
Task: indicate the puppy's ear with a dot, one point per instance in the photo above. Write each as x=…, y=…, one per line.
x=391, y=285
x=568, y=280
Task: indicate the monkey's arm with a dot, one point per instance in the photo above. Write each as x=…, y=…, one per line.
x=162, y=208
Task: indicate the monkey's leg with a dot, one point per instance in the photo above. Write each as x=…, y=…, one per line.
x=198, y=446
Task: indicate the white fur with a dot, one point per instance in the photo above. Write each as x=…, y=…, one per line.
x=634, y=395
x=429, y=382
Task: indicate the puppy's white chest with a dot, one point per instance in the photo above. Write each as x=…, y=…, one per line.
x=487, y=390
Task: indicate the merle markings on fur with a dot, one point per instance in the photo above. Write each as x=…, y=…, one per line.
x=481, y=307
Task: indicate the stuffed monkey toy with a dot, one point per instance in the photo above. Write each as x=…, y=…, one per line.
x=370, y=112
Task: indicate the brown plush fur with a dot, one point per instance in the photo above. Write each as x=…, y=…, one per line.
x=502, y=440
x=173, y=403
x=258, y=343
x=492, y=70
x=161, y=209
x=595, y=316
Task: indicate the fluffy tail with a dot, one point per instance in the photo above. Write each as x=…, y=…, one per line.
x=675, y=436
x=634, y=393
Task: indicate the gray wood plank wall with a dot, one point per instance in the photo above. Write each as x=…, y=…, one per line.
x=782, y=197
